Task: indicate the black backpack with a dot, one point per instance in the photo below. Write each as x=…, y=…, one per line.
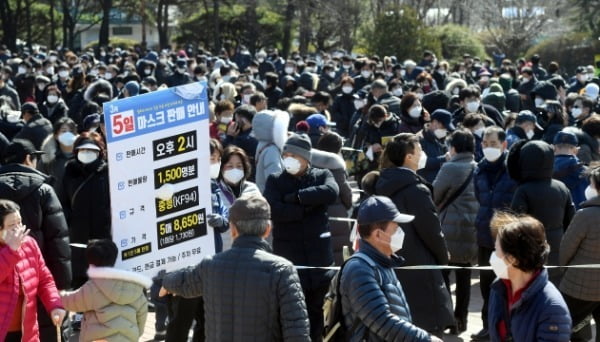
x=335, y=329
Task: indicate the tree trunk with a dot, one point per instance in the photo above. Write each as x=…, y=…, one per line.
x=287, y=29
x=305, y=28
x=143, y=12
x=162, y=23
x=216, y=27
x=253, y=30
x=105, y=24
x=28, y=18
x=65, y=11
x=9, y=25
x=52, y=27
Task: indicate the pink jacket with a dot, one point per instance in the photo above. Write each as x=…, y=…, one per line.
x=26, y=264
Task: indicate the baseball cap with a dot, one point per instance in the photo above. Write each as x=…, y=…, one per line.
x=527, y=115
x=565, y=138
x=319, y=120
x=380, y=209
x=18, y=149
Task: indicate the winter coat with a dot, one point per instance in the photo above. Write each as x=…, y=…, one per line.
x=340, y=231
x=494, y=190
x=341, y=113
x=244, y=140
x=424, y=244
x=540, y=315
x=458, y=219
x=375, y=298
x=177, y=79
x=572, y=173
x=515, y=134
x=270, y=129
x=580, y=246
x=219, y=207
x=25, y=268
x=87, y=207
x=56, y=111
x=435, y=150
x=36, y=130
x=228, y=196
x=489, y=111
x=538, y=195
x=113, y=303
x=273, y=95
x=42, y=213
x=249, y=294
x=368, y=134
x=301, y=231
x=390, y=102
x=53, y=164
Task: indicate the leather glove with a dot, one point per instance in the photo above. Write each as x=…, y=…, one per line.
x=216, y=220
x=291, y=198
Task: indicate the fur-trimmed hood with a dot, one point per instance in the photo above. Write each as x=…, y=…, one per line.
x=100, y=86
x=119, y=286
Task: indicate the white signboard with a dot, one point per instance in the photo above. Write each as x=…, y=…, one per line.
x=158, y=158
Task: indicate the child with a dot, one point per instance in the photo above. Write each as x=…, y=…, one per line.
x=113, y=301
x=567, y=167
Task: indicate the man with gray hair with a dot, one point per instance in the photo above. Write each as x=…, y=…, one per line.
x=382, y=96
x=249, y=293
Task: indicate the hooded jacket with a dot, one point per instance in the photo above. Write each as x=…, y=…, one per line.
x=435, y=149
x=458, y=219
x=581, y=246
x=35, y=130
x=424, y=244
x=270, y=129
x=572, y=173
x=25, y=266
x=113, y=303
x=340, y=231
x=42, y=214
x=548, y=200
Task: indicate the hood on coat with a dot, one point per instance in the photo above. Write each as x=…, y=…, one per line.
x=457, y=82
x=100, y=86
x=326, y=160
x=120, y=286
x=530, y=160
x=270, y=126
x=545, y=90
x=50, y=147
x=18, y=181
x=394, y=179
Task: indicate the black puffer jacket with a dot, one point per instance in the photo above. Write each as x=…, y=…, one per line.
x=548, y=200
x=301, y=231
x=36, y=130
x=424, y=244
x=42, y=214
x=248, y=292
x=375, y=297
x=87, y=209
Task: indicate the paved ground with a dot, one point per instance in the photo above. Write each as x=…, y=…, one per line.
x=474, y=319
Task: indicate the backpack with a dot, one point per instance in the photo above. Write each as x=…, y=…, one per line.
x=332, y=308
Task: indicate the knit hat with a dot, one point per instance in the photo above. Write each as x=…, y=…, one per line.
x=298, y=144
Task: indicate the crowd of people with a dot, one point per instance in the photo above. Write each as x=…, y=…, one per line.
x=450, y=143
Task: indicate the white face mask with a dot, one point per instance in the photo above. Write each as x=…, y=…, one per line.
x=108, y=75
x=41, y=86
x=246, y=98
x=226, y=119
x=479, y=132
x=21, y=70
x=50, y=70
x=415, y=112
x=86, y=157
x=397, y=92
x=347, y=90
x=346, y=66
x=576, y=112
x=366, y=73
x=402, y=73
x=331, y=74
x=499, y=266
x=181, y=70
x=582, y=77
x=440, y=133
x=492, y=154
x=52, y=99
x=420, y=96
x=358, y=104
x=529, y=134
x=214, y=170
x=67, y=138
x=53, y=59
x=147, y=71
x=472, y=106
x=233, y=176
x=289, y=70
x=397, y=240
x=291, y=165
x=524, y=79
x=63, y=74
x=590, y=192
x=456, y=91
x=539, y=102
x=422, y=161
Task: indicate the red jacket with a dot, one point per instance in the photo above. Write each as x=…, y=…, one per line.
x=26, y=264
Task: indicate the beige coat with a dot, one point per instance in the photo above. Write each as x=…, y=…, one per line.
x=113, y=302
x=580, y=245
